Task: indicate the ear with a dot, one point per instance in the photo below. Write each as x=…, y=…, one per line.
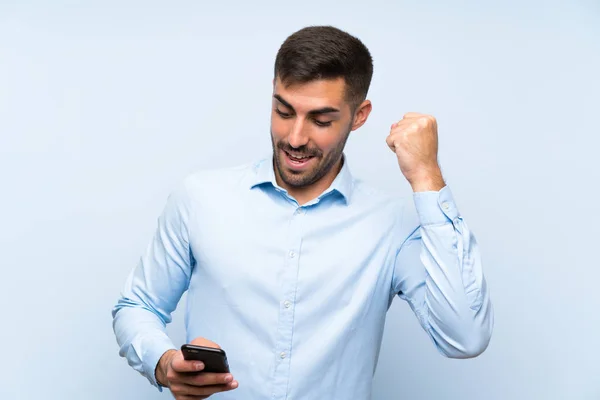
x=361, y=114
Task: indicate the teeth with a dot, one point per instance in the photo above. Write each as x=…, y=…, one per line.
x=299, y=158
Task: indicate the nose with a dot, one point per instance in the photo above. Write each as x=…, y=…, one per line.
x=297, y=136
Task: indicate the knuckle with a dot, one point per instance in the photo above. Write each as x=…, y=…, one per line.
x=203, y=391
x=206, y=379
x=171, y=375
x=201, y=380
x=177, y=390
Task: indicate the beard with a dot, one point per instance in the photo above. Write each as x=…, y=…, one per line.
x=324, y=162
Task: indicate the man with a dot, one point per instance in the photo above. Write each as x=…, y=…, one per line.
x=291, y=264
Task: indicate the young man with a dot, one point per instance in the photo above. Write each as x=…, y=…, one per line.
x=291, y=264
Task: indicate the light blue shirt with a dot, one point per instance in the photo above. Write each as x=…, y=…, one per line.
x=297, y=295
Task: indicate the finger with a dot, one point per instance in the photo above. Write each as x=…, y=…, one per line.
x=208, y=378
x=390, y=142
x=195, y=391
x=410, y=115
x=180, y=365
x=402, y=124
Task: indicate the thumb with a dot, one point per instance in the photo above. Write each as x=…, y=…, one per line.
x=179, y=364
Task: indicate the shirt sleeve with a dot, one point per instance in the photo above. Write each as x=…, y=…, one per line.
x=438, y=271
x=153, y=289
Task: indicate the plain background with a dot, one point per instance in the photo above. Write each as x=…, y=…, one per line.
x=105, y=106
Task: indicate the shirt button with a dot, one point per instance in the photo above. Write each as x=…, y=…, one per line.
x=300, y=211
x=445, y=206
x=287, y=304
x=292, y=254
x=282, y=355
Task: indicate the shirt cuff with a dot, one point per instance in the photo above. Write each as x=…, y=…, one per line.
x=152, y=349
x=436, y=208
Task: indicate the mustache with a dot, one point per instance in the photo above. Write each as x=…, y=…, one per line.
x=302, y=150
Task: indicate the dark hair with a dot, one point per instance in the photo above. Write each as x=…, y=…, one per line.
x=326, y=52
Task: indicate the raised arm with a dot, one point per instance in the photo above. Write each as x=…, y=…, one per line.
x=438, y=265
x=438, y=271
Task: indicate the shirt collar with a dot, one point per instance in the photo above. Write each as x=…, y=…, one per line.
x=262, y=173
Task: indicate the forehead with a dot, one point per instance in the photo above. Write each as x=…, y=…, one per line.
x=314, y=94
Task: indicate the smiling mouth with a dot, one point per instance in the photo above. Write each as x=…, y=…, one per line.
x=297, y=160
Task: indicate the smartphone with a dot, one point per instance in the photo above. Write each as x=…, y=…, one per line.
x=215, y=360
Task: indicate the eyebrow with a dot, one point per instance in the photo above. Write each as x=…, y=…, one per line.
x=318, y=111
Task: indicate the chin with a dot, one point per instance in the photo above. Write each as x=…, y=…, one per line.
x=293, y=178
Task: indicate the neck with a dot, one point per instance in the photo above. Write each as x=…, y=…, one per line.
x=307, y=193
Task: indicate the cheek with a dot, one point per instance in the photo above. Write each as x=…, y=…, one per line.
x=279, y=127
x=326, y=141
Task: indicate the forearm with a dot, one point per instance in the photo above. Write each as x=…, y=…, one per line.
x=460, y=315
x=451, y=298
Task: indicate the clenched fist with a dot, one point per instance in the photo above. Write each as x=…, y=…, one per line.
x=415, y=142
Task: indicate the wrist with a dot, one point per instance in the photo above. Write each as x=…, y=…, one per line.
x=429, y=181
x=163, y=366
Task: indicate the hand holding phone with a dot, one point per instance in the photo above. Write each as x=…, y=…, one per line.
x=214, y=359
x=199, y=375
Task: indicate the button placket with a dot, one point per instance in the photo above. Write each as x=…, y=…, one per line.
x=286, y=308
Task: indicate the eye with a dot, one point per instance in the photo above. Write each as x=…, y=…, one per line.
x=282, y=114
x=322, y=124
